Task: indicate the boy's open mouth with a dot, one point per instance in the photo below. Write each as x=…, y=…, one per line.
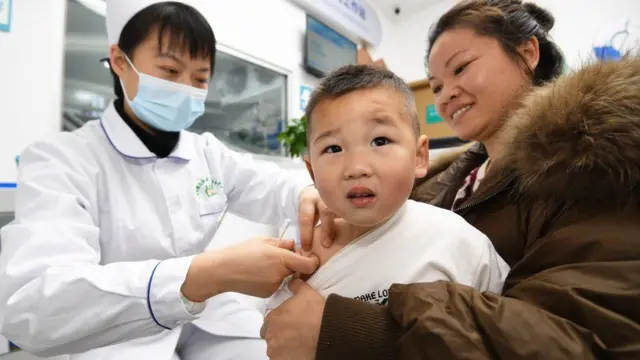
x=361, y=196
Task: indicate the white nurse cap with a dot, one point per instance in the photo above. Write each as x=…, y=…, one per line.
x=119, y=12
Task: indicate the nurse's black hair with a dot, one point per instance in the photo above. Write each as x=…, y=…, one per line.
x=186, y=26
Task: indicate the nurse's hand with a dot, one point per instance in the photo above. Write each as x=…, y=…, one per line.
x=311, y=208
x=292, y=329
x=255, y=267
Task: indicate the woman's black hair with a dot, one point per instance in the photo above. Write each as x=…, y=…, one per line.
x=510, y=22
x=186, y=26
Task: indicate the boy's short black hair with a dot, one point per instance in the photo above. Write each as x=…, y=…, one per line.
x=187, y=28
x=357, y=77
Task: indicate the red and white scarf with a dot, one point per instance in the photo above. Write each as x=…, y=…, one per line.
x=471, y=184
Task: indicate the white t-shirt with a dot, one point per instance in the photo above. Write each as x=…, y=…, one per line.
x=420, y=243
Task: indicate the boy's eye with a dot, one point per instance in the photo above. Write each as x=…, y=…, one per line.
x=380, y=141
x=436, y=89
x=332, y=149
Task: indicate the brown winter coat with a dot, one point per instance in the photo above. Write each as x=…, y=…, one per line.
x=562, y=207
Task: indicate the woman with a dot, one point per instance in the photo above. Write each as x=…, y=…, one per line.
x=554, y=185
x=114, y=218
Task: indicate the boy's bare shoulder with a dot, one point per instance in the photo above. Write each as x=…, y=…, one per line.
x=323, y=253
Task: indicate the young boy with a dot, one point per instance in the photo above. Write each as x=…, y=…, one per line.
x=365, y=151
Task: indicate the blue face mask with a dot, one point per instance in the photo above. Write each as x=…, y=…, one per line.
x=165, y=105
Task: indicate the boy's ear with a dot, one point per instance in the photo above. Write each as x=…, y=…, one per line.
x=307, y=162
x=422, y=156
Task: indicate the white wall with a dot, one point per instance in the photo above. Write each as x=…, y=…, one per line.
x=269, y=30
x=30, y=78
x=272, y=30
x=404, y=48
x=578, y=23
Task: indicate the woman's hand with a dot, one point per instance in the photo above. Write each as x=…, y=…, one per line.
x=293, y=328
x=255, y=267
x=311, y=208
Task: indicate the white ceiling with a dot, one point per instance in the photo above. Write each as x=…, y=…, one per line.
x=407, y=7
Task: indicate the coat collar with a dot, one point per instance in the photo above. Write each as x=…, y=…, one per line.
x=441, y=187
x=127, y=143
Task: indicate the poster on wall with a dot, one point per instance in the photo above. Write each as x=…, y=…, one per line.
x=5, y=15
x=432, y=115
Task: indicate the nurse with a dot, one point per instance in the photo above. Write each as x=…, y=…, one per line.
x=113, y=219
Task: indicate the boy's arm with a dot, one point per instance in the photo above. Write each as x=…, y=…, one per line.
x=258, y=191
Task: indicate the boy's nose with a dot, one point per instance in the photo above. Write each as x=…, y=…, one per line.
x=357, y=168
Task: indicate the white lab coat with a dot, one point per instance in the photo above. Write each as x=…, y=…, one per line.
x=107, y=232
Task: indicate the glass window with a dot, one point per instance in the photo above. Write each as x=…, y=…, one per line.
x=245, y=108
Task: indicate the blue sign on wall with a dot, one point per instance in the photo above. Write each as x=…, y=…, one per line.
x=5, y=15
x=432, y=115
x=355, y=17
x=355, y=7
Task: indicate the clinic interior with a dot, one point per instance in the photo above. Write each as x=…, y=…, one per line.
x=271, y=54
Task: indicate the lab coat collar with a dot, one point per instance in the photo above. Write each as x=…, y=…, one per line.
x=127, y=143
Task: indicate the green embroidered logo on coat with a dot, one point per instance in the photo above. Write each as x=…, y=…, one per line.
x=207, y=188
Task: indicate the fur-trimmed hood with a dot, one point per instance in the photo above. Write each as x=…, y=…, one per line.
x=577, y=140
